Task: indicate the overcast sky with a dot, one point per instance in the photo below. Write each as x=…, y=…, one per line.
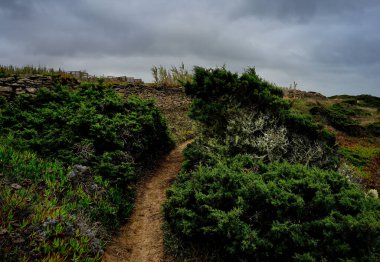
x=329, y=46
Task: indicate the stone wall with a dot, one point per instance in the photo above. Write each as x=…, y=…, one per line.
x=14, y=85
x=295, y=93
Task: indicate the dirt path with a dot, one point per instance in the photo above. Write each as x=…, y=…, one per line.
x=142, y=238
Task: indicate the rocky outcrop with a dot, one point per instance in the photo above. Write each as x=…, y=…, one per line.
x=15, y=85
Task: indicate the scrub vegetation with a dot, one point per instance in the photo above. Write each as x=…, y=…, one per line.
x=69, y=160
x=265, y=178
x=262, y=183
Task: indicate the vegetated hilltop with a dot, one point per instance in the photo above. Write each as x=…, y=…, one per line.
x=265, y=179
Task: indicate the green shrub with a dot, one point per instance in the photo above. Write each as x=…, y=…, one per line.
x=216, y=92
x=240, y=198
x=249, y=115
x=249, y=211
x=48, y=138
x=91, y=125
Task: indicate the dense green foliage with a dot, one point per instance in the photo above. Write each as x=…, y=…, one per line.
x=252, y=189
x=245, y=111
x=279, y=212
x=91, y=125
x=76, y=155
x=215, y=92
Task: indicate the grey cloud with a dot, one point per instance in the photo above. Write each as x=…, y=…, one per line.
x=302, y=11
x=320, y=43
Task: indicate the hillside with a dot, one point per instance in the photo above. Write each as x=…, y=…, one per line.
x=291, y=178
x=70, y=158
x=356, y=122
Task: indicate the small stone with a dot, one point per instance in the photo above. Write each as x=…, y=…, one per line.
x=16, y=186
x=5, y=89
x=31, y=90
x=81, y=169
x=71, y=175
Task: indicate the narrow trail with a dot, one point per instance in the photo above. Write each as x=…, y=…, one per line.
x=141, y=239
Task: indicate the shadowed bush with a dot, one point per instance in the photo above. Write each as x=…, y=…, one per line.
x=249, y=211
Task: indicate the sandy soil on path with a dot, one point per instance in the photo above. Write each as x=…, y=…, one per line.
x=142, y=239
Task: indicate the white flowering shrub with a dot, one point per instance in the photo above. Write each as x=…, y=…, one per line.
x=261, y=135
x=373, y=193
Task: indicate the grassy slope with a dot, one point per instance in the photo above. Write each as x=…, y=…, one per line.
x=173, y=104
x=362, y=152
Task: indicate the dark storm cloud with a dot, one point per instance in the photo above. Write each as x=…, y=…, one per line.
x=328, y=46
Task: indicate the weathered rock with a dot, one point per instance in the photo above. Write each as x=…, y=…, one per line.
x=31, y=90
x=16, y=186
x=78, y=171
x=6, y=89
x=295, y=93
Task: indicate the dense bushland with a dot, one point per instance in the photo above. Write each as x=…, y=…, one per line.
x=252, y=187
x=249, y=115
x=91, y=125
x=249, y=211
x=76, y=155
